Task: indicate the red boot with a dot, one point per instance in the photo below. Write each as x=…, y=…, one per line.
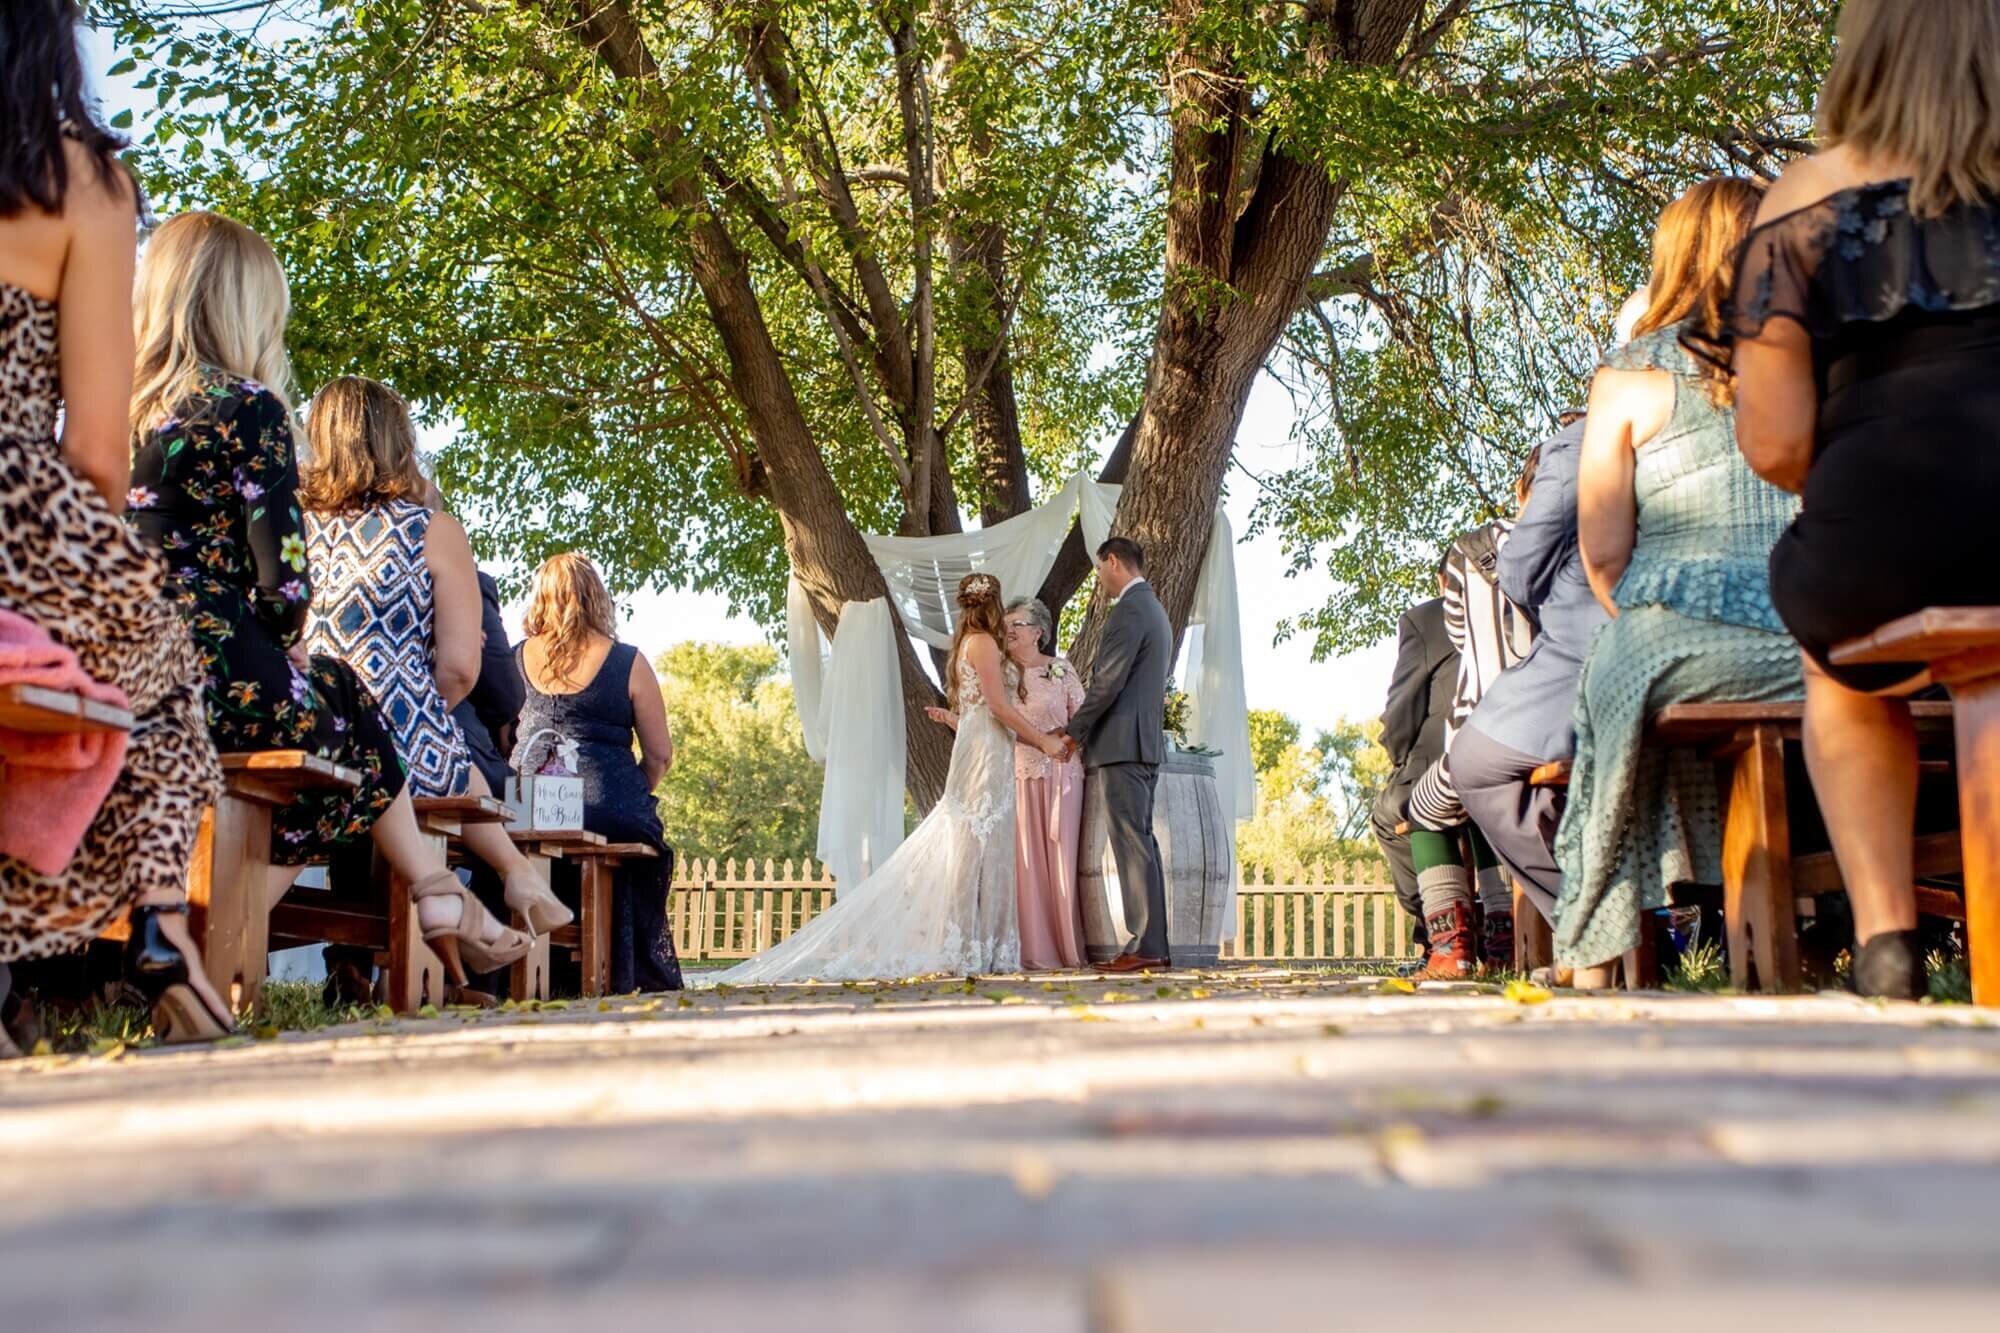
x=1451, y=945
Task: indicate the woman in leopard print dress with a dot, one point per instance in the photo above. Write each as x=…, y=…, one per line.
x=67, y=561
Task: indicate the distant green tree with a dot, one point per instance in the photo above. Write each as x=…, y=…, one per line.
x=1312, y=801
x=742, y=784
x=1270, y=732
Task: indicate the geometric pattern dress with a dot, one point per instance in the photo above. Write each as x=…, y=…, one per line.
x=373, y=605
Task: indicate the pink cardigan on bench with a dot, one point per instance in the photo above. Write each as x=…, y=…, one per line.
x=51, y=786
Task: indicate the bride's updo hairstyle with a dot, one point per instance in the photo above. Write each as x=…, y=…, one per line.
x=982, y=609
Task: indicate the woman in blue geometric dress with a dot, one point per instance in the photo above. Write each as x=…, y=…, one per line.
x=396, y=595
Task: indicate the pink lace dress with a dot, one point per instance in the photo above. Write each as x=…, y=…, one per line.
x=1048, y=800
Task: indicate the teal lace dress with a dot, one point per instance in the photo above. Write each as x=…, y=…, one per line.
x=1695, y=625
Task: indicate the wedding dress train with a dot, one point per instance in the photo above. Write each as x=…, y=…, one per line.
x=944, y=902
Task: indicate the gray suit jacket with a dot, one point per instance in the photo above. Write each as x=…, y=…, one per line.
x=1529, y=707
x=1123, y=712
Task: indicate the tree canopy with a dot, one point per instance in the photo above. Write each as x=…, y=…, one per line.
x=742, y=784
x=709, y=289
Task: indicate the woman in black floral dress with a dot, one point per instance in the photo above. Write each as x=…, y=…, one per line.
x=214, y=486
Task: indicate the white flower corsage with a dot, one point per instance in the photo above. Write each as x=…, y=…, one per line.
x=1055, y=670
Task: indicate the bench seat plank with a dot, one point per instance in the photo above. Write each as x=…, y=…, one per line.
x=292, y=768
x=43, y=711
x=1941, y=631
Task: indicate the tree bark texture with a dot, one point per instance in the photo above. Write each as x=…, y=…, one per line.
x=828, y=557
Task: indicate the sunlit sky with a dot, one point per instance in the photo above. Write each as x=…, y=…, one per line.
x=1277, y=675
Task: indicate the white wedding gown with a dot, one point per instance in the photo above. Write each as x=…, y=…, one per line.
x=944, y=902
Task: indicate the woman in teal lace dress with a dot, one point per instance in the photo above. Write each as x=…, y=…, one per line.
x=1676, y=534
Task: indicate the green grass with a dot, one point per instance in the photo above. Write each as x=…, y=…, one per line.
x=300, y=1006
x=1699, y=969
x=1951, y=977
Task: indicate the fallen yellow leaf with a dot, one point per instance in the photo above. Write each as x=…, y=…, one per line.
x=1397, y=986
x=1527, y=992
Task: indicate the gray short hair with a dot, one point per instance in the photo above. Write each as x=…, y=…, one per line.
x=1044, y=622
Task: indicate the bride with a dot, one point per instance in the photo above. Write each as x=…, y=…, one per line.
x=944, y=902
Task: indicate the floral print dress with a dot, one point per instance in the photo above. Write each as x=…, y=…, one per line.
x=215, y=488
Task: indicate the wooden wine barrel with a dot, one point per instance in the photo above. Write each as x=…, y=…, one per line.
x=1196, y=854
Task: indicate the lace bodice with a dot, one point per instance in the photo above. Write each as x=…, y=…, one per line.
x=1054, y=693
x=1706, y=521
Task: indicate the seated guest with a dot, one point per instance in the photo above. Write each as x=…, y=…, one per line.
x=603, y=695
x=1675, y=533
x=397, y=595
x=69, y=218
x=486, y=717
x=1523, y=720
x=215, y=484
x=1048, y=795
x=1866, y=336
x=1413, y=722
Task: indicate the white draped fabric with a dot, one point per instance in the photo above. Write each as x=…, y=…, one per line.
x=851, y=706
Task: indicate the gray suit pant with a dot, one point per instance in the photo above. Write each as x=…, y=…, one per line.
x=1128, y=807
x=1518, y=820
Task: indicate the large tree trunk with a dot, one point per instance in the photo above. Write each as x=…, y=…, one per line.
x=828, y=557
x=1242, y=239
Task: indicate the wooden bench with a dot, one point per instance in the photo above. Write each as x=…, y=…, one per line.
x=589, y=937
x=230, y=870
x=1962, y=647
x=386, y=921
x=1759, y=895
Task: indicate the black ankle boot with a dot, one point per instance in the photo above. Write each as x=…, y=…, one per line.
x=1891, y=967
x=158, y=969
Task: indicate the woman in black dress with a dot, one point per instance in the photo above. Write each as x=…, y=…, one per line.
x=1865, y=338
x=602, y=695
x=214, y=487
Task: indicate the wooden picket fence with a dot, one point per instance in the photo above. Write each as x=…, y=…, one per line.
x=1334, y=914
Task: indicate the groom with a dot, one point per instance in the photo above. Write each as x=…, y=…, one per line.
x=1120, y=725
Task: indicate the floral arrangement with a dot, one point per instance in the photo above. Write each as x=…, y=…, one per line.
x=1176, y=716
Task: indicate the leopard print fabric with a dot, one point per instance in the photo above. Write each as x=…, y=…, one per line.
x=68, y=563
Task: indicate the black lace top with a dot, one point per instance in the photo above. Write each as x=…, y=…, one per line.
x=1860, y=257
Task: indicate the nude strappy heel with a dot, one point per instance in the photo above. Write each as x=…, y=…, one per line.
x=529, y=894
x=464, y=941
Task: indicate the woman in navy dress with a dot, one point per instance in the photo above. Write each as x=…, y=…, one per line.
x=602, y=695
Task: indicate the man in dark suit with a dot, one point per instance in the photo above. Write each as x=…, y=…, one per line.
x=1121, y=725
x=1524, y=719
x=1413, y=721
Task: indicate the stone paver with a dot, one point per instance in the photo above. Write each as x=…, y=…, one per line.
x=1188, y=1152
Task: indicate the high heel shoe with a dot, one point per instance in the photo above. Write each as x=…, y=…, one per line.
x=464, y=941
x=155, y=965
x=529, y=894
x=1890, y=967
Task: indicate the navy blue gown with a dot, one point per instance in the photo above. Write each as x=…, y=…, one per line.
x=618, y=804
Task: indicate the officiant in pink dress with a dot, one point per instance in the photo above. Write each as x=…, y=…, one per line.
x=1048, y=797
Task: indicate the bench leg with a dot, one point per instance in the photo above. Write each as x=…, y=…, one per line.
x=528, y=979
x=1534, y=942
x=416, y=976
x=225, y=887
x=1976, y=720
x=594, y=923
x=1757, y=868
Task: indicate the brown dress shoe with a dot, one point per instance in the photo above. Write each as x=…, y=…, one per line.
x=1132, y=962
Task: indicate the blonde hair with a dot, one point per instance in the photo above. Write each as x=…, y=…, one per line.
x=1918, y=84
x=1694, y=267
x=569, y=604
x=364, y=449
x=210, y=293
